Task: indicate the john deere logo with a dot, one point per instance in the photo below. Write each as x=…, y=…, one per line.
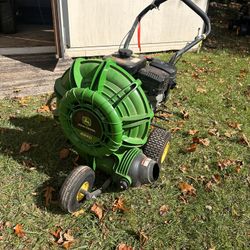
x=86, y=121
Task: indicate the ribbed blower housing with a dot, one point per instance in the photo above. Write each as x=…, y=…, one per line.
x=105, y=114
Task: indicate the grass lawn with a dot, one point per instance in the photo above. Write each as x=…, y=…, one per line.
x=214, y=93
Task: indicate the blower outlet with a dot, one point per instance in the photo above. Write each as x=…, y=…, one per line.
x=143, y=170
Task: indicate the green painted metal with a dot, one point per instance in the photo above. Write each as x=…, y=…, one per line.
x=105, y=114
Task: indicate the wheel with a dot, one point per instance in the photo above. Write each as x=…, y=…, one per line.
x=71, y=197
x=158, y=144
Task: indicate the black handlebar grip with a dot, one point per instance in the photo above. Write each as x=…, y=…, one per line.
x=159, y=2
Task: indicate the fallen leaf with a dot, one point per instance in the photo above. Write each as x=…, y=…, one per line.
x=25, y=147
x=214, y=132
x=201, y=90
x=238, y=169
x=143, y=238
x=164, y=209
x=187, y=188
x=56, y=233
x=234, y=125
x=97, y=210
x=209, y=186
x=1, y=237
x=18, y=229
x=185, y=114
x=67, y=236
x=79, y=212
x=183, y=168
x=29, y=164
x=193, y=132
x=225, y=163
x=67, y=244
x=204, y=142
x=8, y=224
x=119, y=205
x=244, y=140
x=174, y=130
x=43, y=109
x=123, y=246
x=48, y=195
x=208, y=207
x=216, y=178
x=191, y=148
x=64, y=153
x=64, y=239
x=229, y=134
x=166, y=115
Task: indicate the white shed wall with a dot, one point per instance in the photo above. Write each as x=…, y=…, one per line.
x=97, y=27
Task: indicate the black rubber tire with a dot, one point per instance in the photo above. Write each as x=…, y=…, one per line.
x=7, y=15
x=72, y=185
x=156, y=144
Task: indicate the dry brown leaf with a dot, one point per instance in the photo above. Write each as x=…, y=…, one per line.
x=1, y=237
x=187, y=188
x=56, y=233
x=43, y=109
x=203, y=141
x=29, y=164
x=229, y=134
x=244, y=140
x=166, y=115
x=119, y=205
x=238, y=169
x=123, y=246
x=209, y=186
x=191, y=148
x=185, y=114
x=174, y=130
x=18, y=230
x=97, y=210
x=183, y=199
x=64, y=153
x=214, y=132
x=183, y=168
x=79, y=212
x=67, y=236
x=48, y=195
x=143, y=238
x=164, y=209
x=216, y=178
x=234, y=125
x=64, y=239
x=201, y=90
x=193, y=132
x=67, y=244
x=25, y=147
x=225, y=163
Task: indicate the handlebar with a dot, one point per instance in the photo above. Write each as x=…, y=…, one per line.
x=191, y=5
x=157, y=3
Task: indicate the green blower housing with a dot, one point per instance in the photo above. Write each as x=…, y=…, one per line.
x=106, y=115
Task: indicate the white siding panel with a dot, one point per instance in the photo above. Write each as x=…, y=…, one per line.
x=97, y=27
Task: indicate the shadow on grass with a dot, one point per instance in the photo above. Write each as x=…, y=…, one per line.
x=221, y=38
x=47, y=139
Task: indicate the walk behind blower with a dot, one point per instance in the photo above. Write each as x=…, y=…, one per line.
x=106, y=107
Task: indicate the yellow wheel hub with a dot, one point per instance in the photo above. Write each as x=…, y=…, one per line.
x=165, y=152
x=84, y=187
